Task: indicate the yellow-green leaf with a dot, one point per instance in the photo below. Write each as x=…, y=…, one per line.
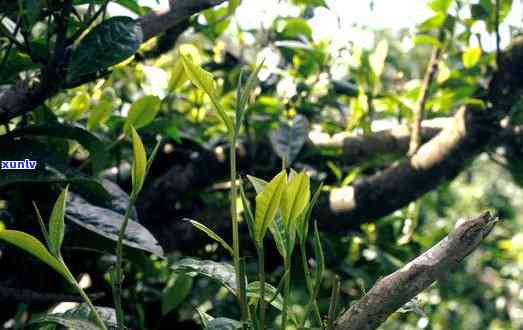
x=212, y=235
x=267, y=204
x=139, y=162
x=100, y=113
x=79, y=104
x=56, y=224
x=471, y=57
x=33, y=246
x=295, y=198
x=142, y=112
x=204, y=80
x=377, y=59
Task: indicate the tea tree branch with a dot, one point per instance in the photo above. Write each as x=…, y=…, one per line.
x=398, y=288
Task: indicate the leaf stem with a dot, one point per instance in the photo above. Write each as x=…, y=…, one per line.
x=86, y=298
x=118, y=272
x=261, y=269
x=308, y=281
x=234, y=218
x=286, y=292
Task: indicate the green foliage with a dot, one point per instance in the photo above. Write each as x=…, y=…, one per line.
x=107, y=44
x=267, y=204
x=57, y=225
x=142, y=112
x=139, y=162
x=33, y=246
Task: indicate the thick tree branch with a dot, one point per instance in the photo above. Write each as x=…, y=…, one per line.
x=439, y=160
x=398, y=288
x=20, y=99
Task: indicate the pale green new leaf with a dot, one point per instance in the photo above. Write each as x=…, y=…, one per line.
x=257, y=183
x=267, y=204
x=272, y=295
x=142, y=112
x=295, y=198
x=211, y=234
x=204, y=80
x=471, y=57
x=139, y=162
x=377, y=59
x=33, y=246
x=56, y=224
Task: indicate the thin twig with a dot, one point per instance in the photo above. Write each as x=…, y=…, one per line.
x=419, y=110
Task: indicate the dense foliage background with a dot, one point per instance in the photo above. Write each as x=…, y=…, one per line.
x=338, y=79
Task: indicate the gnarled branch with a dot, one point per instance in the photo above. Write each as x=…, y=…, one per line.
x=398, y=288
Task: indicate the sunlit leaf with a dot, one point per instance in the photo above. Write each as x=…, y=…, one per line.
x=267, y=204
x=272, y=295
x=377, y=59
x=33, y=246
x=139, y=162
x=211, y=234
x=142, y=112
x=56, y=224
x=471, y=57
x=295, y=198
x=204, y=80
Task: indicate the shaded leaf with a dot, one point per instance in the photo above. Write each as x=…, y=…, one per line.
x=107, y=44
x=89, y=141
x=177, y=289
x=218, y=271
x=66, y=321
x=257, y=183
x=223, y=323
x=107, y=223
x=288, y=139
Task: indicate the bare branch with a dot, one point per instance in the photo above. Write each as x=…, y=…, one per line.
x=398, y=288
x=419, y=110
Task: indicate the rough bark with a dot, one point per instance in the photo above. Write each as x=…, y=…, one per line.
x=398, y=288
x=439, y=160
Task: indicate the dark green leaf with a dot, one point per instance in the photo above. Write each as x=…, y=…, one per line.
x=107, y=223
x=218, y=271
x=288, y=139
x=107, y=44
x=177, y=289
x=96, y=148
x=223, y=323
